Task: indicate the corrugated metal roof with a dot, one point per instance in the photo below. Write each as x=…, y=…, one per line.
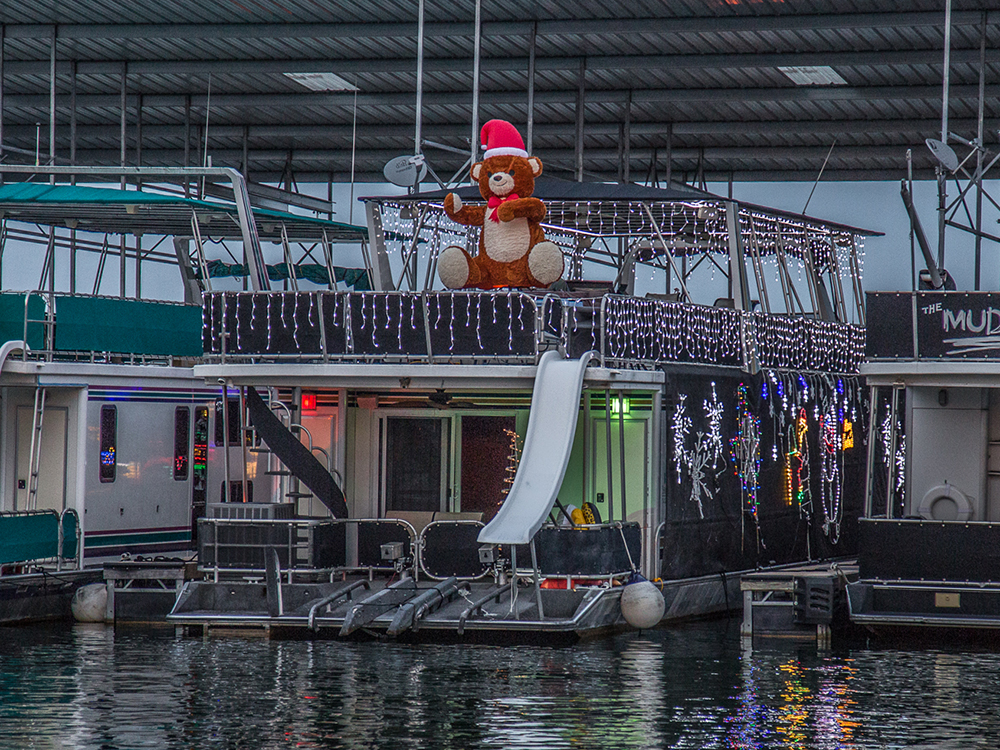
x=697, y=82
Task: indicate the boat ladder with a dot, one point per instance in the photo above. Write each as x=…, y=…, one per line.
x=35, y=451
x=289, y=486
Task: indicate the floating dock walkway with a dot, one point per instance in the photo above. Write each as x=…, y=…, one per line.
x=805, y=601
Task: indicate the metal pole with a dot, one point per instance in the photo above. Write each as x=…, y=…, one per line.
x=869, y=485
x=243, y=446
x=121, y=136
x=225, y=439
x=531, y=86
x=138, y=266
x=417, y=149
x=245, y=162
x=941, y=176
x=945, y=73
x=581, y=92
x=611, y=477
x=121, y=246
x=138, y=134
x=3, y=33
x=535, y=575
x=913, y=244
x=474, y=145
x=670, y=152
x=72, y=119
x=890, y=460
x=621, y=449
x=187, y=141
x=628, y=139
x=52, y=102
x=979, y=151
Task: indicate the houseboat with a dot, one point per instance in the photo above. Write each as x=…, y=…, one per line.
x=928, y=539
x=683, y=405
x=109, y=443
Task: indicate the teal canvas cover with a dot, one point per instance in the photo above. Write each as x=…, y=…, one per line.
x=28, y=537
x=12, y=319
x=71, y=525
x=127, y=326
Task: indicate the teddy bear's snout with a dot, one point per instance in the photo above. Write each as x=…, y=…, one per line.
x=501, y=183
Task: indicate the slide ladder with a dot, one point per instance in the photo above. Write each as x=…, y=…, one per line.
x=555, y=408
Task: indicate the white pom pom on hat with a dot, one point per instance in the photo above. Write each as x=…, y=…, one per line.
x=500, y=138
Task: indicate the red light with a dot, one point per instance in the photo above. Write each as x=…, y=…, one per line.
x=308, y=402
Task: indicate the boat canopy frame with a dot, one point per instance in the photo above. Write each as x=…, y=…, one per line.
x=675, y=231
x=182, y=204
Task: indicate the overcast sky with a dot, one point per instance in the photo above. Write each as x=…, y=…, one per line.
x=878, y=206
x=870, y=205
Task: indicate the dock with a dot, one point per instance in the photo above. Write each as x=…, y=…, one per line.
x=805, y=602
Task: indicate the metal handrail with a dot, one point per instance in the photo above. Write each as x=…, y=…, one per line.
x=338, y=594
x=477, y=604
x=291, y=545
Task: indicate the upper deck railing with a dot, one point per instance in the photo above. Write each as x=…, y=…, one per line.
x=85, y=327
x=515, y=327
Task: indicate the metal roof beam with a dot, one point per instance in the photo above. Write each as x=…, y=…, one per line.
x=312, y=173
x=743, y=61
x=551, y=129
x=14, y=100
x=558, y=155
x=582, y=27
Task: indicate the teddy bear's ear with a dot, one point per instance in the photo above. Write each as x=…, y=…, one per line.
x=536, y=165
x=476, y=169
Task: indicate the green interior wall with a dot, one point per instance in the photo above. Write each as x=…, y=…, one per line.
x=637, y=469
x=572, y=490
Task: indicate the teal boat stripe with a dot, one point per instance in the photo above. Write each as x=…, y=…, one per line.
x=91, y=542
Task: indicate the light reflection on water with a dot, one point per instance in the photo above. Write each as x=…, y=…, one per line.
x=689, y=687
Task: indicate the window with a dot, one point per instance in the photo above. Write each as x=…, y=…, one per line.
x=234, y=423
x=182, y=432
x=200, y=467
x=109, y=438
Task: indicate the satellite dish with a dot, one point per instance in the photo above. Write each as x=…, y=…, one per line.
x=943, y=153
x=405, y=171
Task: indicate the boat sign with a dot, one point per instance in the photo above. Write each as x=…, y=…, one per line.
x=949, y=325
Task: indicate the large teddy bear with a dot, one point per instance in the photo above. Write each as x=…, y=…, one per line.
x=513, y=251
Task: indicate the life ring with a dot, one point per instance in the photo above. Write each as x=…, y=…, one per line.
x=946, y=503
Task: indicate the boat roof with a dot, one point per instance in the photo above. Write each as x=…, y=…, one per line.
x=554, y=190
x=117, y=211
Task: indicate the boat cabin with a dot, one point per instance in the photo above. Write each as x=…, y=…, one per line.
x=932, y=508
x=715, y=415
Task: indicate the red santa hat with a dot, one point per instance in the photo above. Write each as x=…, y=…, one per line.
x=500, y=138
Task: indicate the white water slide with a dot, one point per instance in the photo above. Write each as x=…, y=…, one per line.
x=555, y=407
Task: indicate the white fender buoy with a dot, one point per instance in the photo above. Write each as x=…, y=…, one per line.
x=642, y=603
x=89, y=603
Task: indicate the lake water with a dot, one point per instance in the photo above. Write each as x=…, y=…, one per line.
x=86, y=687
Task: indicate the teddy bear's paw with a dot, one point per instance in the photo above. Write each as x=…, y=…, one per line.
x=456, y=202
x=453, y=267
x=545, y=261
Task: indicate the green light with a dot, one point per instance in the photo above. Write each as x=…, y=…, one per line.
x=620, y=406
